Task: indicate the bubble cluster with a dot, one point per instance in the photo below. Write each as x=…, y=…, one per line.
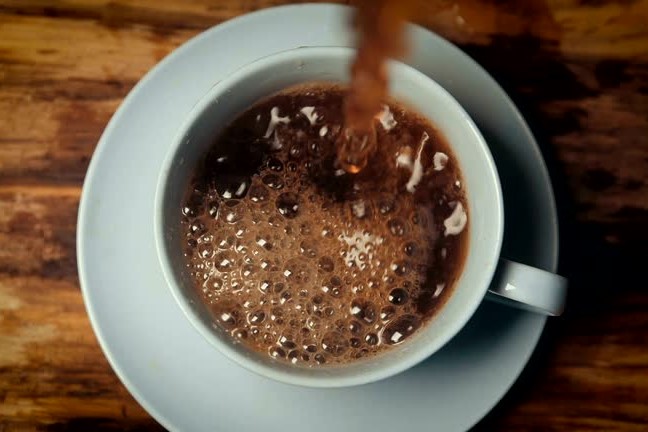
x=306, y=265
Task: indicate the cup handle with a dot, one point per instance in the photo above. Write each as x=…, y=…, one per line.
x=528, y=288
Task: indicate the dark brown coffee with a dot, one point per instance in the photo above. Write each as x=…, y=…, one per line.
x=301, y=261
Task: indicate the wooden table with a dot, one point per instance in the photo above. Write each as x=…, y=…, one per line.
x=578, y=69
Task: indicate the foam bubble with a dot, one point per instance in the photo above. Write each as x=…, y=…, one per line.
x=363, y=310
x=258, y=194
x=335, y=343
x=197, y=228
x=400, y=329
x=400, y=268
x=371, y=339
x=273, y=181
x=206, y=250
x=287, y=340
x=276, y=352
x=232, y=213
x=288, y=204
x=224, y=262
x=190, y=211
x=228, y=318
x=387, y=312
x=398, y=296
x=256, y=317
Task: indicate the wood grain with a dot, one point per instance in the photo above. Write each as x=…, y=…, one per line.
x=577, y=68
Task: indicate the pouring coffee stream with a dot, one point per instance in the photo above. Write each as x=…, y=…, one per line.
x=380, y=31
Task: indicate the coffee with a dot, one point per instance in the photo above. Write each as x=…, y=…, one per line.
x=299, y=260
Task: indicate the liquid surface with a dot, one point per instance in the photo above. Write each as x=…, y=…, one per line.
x=305, y=263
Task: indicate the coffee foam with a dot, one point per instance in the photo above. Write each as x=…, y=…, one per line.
x=417, y=168
x=310, y=114
x=456, y=222
x=275, y=120
x=300, y=276
x=386, y=118
x=296, y=271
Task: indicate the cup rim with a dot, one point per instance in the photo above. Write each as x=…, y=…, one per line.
x=175, y=287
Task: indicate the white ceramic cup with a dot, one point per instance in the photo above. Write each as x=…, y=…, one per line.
x=514, y=283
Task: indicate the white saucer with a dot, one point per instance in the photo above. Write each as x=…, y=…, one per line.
x=176, y=375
